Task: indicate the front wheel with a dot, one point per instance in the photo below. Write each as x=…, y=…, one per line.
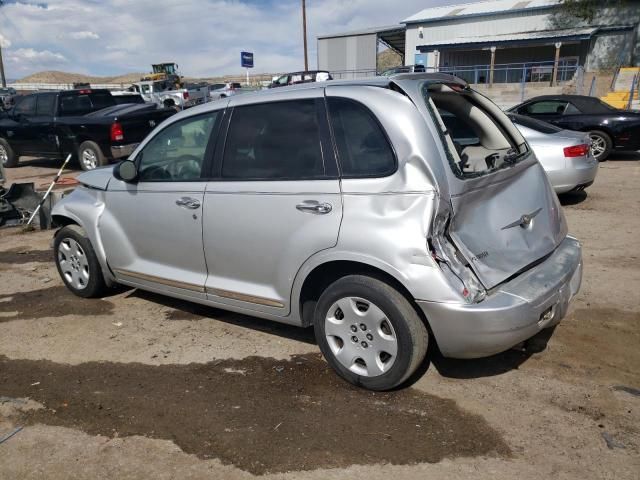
x=77, y=263
x=7, y=155
x=601, y=145
x=369, y=332
x=90, y=156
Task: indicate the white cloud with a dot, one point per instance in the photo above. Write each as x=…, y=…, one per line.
x=204, y=37
x=4, y=41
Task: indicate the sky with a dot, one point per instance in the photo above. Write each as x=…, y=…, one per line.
x=205, y=37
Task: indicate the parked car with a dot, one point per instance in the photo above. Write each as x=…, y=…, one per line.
x=164, y=93
x=417, y=68
x=86, y=123
x=565, y=155
x=295, y=78
x=223, y=90
x=609, y=128
x=7, y=97
x=345, y=206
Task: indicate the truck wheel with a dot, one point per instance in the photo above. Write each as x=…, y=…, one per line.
x=7, y=155
x=369, y=332
x=90, y=156
x=77, y=263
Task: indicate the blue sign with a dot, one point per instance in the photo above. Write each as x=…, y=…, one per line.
x=246, y=59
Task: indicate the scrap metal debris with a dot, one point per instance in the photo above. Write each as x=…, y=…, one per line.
x=9, y=435
x=611, y=442
x=630, y=390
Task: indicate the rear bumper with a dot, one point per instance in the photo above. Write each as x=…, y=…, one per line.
x=513, y=313
x=120, y=151
x=577, y=172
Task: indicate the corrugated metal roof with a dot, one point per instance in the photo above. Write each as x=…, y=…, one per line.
x=584, y=32
x=477, y=9
x=365, y=31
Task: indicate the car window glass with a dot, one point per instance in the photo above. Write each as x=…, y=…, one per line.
x=279, y=140
x=533, y=124
x=572, y=109
x=363, y=147
x=46, y=105
x=177, y=152
x=26, y=105
x=546, y=107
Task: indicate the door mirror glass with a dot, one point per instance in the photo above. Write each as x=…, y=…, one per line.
x=126, y=171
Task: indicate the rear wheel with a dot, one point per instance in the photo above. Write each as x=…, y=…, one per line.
x=77, y=263
x=601, y=145
x=90, y=156
x=369, y=332
x=7, y=155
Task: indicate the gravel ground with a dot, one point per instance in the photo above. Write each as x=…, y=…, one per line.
x=136, y=385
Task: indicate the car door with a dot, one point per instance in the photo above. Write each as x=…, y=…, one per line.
x=21, y=134
x=45, y=140
x=274, y=203
x=152, y=229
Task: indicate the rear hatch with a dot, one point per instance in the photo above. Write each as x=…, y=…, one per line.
x=504, y=216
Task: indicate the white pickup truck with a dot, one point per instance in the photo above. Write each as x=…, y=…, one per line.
x=162, y=93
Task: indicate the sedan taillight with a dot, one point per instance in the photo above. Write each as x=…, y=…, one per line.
x=576, y=150
x=117, y=133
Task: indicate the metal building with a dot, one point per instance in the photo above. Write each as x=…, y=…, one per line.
x=355, y=54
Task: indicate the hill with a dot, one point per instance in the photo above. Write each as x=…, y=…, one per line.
x=53, y=76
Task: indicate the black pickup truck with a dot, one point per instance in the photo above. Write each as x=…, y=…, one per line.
x=87, y=123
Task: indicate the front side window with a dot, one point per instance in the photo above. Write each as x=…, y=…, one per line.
x=546, y=107
x=363, y=147
x=177, y=153
x=26, y=106
x=274, y=141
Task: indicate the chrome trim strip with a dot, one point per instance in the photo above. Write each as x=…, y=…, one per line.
x=245, y=298
x=163, y=281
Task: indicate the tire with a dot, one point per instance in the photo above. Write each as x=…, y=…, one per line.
x=74, y=255
x=90, y=156
x=375, y=314
x=600, y=143
x=7, y=155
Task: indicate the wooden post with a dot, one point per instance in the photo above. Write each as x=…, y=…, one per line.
x=493, y=62
x=555, y=64
x=304, y=34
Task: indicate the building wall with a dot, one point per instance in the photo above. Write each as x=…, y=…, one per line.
x=348, y=54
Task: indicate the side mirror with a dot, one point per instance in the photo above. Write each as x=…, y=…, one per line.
x=126, y=171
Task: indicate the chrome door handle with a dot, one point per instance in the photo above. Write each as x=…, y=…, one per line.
x=188, y=202
x=312, y=206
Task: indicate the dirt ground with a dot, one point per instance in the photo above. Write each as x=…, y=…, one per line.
x=136, y=385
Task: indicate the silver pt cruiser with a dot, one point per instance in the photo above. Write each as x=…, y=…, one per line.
x=343, y=205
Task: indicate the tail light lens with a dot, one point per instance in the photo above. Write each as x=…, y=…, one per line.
x=117, y=133
x=576, y=150
x=185, y=95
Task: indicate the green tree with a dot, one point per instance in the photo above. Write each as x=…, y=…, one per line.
x=587, y=10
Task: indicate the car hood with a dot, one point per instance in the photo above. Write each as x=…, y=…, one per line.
x=98, y=178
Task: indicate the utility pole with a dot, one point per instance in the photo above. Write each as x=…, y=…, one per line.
x=304, y=34
x=4, y=81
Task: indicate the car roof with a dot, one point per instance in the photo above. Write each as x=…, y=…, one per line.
x=583, y=102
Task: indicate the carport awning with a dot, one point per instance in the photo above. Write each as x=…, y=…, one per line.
x=540, y=37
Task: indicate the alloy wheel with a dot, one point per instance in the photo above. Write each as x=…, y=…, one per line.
x=598, y=145
x=3, y=155
x=361, y=336
x=89, y=159
x=74, y=264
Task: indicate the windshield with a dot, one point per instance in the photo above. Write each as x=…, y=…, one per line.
x=478, y=136
x=533, y=124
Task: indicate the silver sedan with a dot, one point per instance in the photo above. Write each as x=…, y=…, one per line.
x=564, y=154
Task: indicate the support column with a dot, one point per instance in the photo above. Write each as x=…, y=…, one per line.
x=555, y=64
x=493, y=62
x=436, y=62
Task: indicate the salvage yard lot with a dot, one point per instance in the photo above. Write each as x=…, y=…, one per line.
x=136, y=385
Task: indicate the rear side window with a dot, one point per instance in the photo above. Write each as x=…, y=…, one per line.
x=26, y=106
x=363, y=147
x=274, y=141
x=546, y=107
x=533, y=124
x=46, y=104
x=81, y=104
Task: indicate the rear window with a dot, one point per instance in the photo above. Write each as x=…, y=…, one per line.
x=478, y=136
x=81, y=104
x=533, y=124
x=363, y=147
